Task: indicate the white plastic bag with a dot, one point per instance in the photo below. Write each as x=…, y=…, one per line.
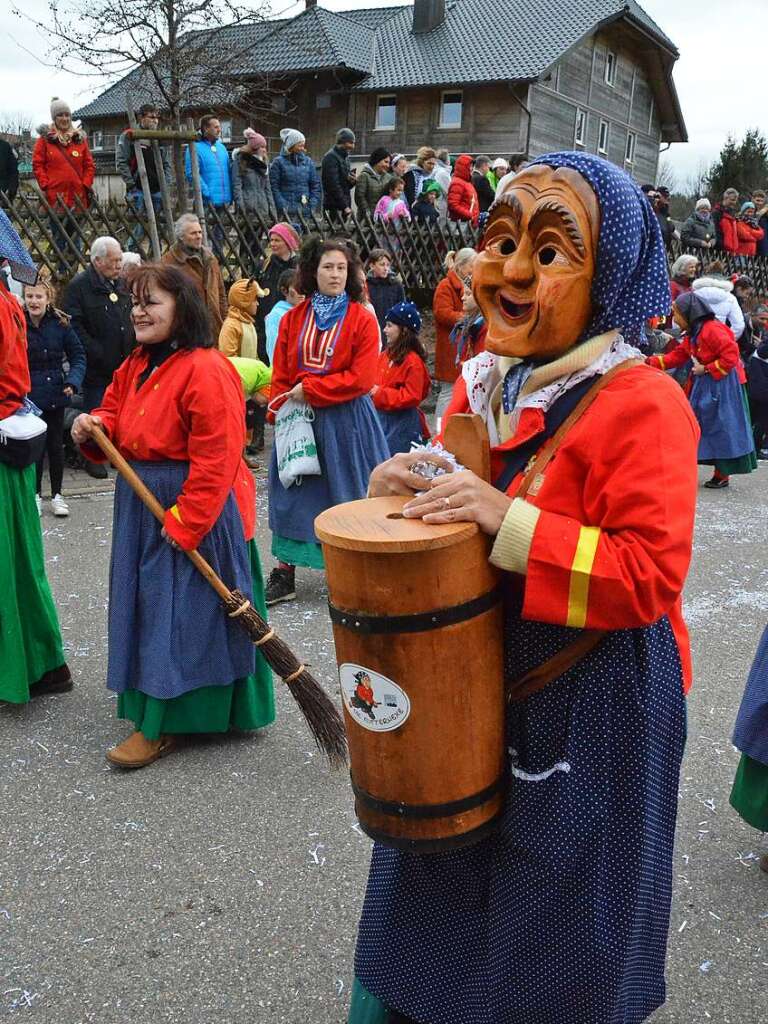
x=295, y=442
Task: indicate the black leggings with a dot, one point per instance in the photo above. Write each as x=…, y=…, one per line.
x=54, y=446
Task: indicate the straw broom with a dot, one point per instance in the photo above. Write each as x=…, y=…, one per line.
x=321, y=714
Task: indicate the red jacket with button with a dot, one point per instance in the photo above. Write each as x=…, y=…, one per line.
x=463, y=203
x=622, y=489
x=14, y=366
x=747, y=237
x=715, y=348
x=448, y=309
x=402, y=386
x=190, y=409
x=350, y=364
x=67, y=171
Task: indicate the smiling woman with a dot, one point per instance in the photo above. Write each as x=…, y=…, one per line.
x=175, y=410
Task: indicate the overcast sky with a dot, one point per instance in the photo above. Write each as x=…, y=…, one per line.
x=719, y=77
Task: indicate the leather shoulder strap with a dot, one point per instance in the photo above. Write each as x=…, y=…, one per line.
x=546, y=454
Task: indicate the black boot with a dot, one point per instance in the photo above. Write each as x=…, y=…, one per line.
x=58, y=680
x=257, y=438
x=281, y=586
x=96, y=469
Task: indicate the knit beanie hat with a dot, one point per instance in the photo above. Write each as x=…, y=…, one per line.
x=430, y=185
x=250, y=135
x=59, y=107
x=243, y=292
x=499, y=164
x=746, y=207
x=344, y=135
x=288, y=235
x=405, y=314
x=292, y=137
x=380, y=153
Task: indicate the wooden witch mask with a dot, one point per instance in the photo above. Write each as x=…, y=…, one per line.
x=533, y=280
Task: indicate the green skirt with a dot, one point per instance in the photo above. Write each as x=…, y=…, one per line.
x=366, y=1008
x=245, y=704
x=749, y=796
x=30, y=638
x=303, y=553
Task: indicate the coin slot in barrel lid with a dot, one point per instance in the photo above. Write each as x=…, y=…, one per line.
x=378, y=524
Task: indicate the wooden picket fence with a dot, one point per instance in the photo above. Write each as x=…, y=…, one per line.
x=60, y=239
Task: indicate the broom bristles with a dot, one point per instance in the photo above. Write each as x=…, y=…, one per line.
x=320, y=713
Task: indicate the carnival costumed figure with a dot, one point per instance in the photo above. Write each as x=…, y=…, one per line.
x=326, y=357
x=718, y=393
x=749, y=795
x=561, y=914
x=31, y=652
x=175, y=410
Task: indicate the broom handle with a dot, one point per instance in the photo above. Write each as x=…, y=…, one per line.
x=144, y=494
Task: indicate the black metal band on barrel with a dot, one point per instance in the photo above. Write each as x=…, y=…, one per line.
x=401, y=810
x=418, y=622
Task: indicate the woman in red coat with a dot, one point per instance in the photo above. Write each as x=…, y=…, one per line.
x=175, y=409
x=748, y=234
x=325, y=359
x=463, y=203
x=65, y=171
x=448, y=309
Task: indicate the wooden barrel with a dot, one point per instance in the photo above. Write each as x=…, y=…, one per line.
x=417, y=623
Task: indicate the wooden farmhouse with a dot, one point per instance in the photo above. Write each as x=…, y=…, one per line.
x=522, y=76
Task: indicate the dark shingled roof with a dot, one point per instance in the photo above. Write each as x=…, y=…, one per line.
x=516, y=40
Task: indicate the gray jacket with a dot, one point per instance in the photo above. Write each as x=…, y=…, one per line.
x=696, y=232
x=369, y=189
x=251, y=189
x=125, y=163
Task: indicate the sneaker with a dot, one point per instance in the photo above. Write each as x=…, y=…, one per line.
x=59, y=507
x=281, y=586
x=716, y=483
x=39, y=503
x=762, y=455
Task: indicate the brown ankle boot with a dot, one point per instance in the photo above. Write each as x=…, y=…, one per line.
x=137, y=751
x=763, y=863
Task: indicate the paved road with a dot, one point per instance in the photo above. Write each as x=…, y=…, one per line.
x=225, y=882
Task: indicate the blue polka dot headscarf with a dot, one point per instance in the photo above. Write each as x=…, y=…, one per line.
x=12, y=249
x=405, y=314
x=631, y=281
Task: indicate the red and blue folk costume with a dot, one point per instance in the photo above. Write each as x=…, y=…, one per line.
x=175, y=661
x=337, y=369
x=562, y=914
x=718, y=396
x=400, y=390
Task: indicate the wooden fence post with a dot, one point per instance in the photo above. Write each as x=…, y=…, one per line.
x=197, y=194
x=149, y=204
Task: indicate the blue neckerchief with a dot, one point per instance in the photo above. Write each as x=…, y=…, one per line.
x=515, y=377
x=329, y=309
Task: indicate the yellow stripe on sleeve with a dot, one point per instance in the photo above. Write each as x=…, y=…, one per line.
x=719, y=367
x=581, y=570
x=176, y=514
x=660, y=357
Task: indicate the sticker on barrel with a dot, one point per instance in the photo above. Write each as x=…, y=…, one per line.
x=375, y=702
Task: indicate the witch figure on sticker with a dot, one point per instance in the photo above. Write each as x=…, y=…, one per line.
x=362, y=698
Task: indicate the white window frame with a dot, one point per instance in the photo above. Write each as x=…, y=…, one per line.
x=602, y=148
x=611, y=63
x=451, y=92
x=385, y=127
x=629, y=149
x=580, y=139
x=226, y=130
x=97, y=140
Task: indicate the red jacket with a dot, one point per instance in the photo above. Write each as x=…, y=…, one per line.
x=747, y=236
x=612, y=543
x=402, y=386
x=14, y=366
x=334, y=366
x=190, y=409
x=715, y=348
x=726, y=225
x=448, y=310
x=463, y=203
x=67, y=171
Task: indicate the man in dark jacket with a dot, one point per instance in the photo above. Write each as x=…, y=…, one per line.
x=337, y=174
x=9, y=170
x=158, y=169
x=100, y=307
x=761, y=218
x=485, y=194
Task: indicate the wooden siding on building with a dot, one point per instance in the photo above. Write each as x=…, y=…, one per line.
x=579, y=83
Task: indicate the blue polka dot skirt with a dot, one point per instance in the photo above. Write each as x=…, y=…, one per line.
x=561, y=917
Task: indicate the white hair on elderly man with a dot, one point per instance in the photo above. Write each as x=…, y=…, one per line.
x=100, y=247
x=183, y=223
